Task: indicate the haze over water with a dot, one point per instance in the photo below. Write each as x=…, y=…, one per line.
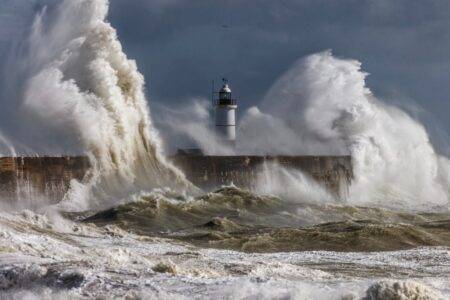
x=136, y=228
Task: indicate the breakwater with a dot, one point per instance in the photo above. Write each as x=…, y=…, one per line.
x=31, y=177
x=208, y=172
x=26, y=177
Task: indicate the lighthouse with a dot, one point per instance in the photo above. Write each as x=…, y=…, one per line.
x=225, y=108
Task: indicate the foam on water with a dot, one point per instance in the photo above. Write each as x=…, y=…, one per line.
x=36, y=259
x=322, y=106
x=291, y=185
x=84, y=90
x=389, y=290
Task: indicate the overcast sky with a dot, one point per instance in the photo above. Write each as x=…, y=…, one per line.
x=181, y=45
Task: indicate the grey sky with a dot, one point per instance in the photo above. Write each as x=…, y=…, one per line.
x=181, y=45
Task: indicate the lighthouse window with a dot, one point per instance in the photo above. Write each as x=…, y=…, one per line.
x=225, y=96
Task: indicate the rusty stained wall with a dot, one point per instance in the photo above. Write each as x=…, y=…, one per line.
x=333, y=172
x=28, y=177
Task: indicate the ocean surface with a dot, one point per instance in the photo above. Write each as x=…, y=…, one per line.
x=227, y=244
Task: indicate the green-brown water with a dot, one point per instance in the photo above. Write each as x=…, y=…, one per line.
x=231, y=218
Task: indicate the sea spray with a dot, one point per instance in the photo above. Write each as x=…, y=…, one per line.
x=190, y=124
x=290, y=185
x=95, y=258
x=324, y=107
x=83, y=87
x=6, y=147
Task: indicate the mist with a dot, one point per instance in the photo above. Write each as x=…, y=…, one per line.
x=76, y=92
x=322, y=106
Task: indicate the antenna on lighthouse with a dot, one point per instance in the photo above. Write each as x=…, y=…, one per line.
x=213, y=90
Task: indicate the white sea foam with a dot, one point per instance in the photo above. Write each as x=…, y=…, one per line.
x=81, y=86
x=83, y=91
x=190, y=124
x=322, y=106
x=393, y=290
x=290, y=185
x=37, y=259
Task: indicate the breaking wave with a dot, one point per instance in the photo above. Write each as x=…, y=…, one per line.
x=86, y=92
x=40, y=258
x=81, y=91
x=324, y=107
x=235, y=219
x=293, y=185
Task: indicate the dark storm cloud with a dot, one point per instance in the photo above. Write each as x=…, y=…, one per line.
x=181, y=45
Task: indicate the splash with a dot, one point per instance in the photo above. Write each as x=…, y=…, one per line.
x=87, y=260
x=6, y=147
x=190, y=124
x=324, y=107
x=84, y=90
x=291, y=185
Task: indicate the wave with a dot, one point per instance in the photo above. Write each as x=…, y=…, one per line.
x=83, y=94
x=41, y=258
x=322, y=105
x=237, y=219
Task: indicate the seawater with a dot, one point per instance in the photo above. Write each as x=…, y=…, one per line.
x=223, y=245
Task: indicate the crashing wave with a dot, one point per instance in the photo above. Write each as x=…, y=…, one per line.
x=323, y=106
x=82, y=87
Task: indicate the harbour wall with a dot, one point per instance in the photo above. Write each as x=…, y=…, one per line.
x=50, y=177
x=26, y=178
x=334, y=173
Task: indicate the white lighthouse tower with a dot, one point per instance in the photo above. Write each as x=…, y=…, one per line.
x=226, y=115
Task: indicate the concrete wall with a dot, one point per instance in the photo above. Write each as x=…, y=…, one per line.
x=29, y=177
x=208, y=172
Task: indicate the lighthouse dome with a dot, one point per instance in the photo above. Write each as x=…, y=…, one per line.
x=225, y=89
